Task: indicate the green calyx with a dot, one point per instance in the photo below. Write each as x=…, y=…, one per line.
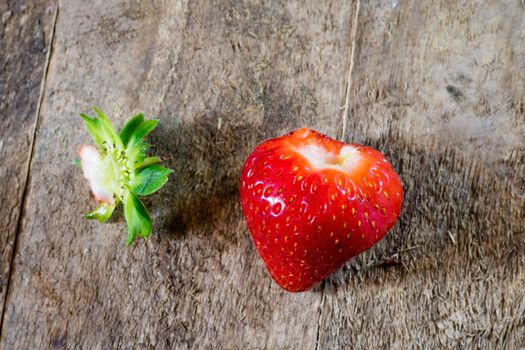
x=119, y=170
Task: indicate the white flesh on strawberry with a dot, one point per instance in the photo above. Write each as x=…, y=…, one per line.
x=347, y=159
x=98, y=173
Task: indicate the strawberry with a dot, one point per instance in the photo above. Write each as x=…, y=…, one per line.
x=311, y=203
x=119, y=171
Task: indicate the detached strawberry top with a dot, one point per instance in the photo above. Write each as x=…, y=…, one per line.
x=312, y=202
x=118, y=170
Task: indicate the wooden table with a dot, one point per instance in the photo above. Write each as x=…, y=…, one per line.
x=438, y=86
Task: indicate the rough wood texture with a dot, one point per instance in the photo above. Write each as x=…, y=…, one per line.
x=222, y=76
x=439, y=87
x=25, y=28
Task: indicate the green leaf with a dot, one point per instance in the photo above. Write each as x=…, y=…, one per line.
x=141, y=131
x=102, y=212
x=105, y=121
x=76, y=162
x=148, y=161
x=137, y=153
x=111, y=134
x=136, y=147
x=95, y=129
x=130, y=128
x=102, y=116
x=150, y=179
x=137, y=218
x=102, y=130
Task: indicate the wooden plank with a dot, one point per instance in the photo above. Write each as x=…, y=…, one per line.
x=222, y=76
x=25, y=36
x=440, y=87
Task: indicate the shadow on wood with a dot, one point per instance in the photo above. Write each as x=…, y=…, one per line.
x=457, y=214
x=204, y=188
x=445, y=218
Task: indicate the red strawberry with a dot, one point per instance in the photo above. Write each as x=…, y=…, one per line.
x=312, y=203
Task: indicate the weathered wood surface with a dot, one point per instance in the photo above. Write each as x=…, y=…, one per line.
x=25, y=36
x=439, y=87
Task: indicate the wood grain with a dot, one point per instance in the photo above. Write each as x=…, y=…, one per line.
x=221, y=76
x=25, y=36
x=440, y=88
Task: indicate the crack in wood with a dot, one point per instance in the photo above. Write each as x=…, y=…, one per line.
x=353, y=40
x=28, y=167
